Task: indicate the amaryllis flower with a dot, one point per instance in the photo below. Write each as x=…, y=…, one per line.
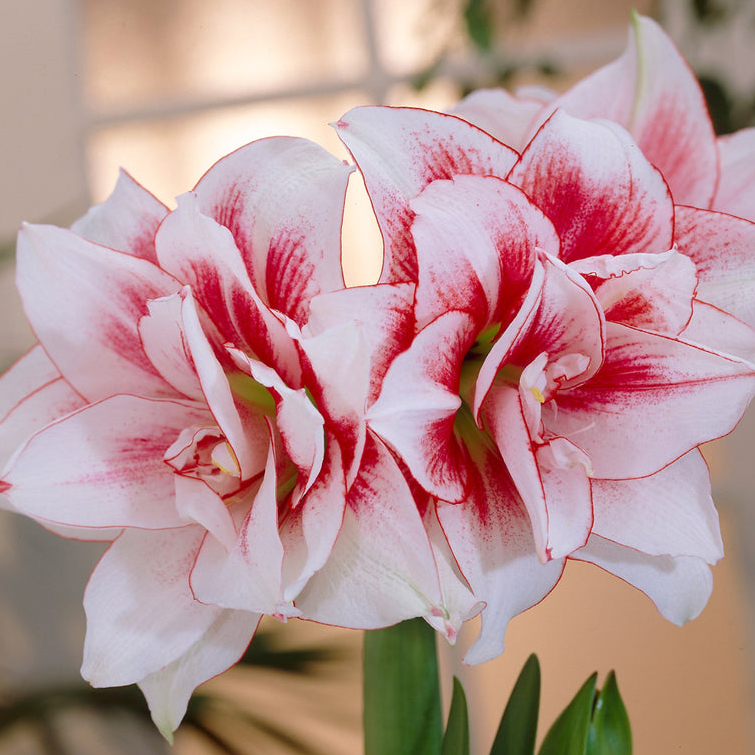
x=651, y=91
x=174, y=407
x=564, y=362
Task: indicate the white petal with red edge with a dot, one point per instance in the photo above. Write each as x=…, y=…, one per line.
x=476, y=240
x=102, y=466
x=83, y=302
x=721, y=247
x=491, y=539
x=127, y=220
x=669, y=513
x=164, y=343
x=508, y=117
x=596, y=187
x=654, y=399
x=381, y=569
x=203, y=254
x=300, y=424
x=417, y=407
x=141, y=615
x=459, y=603
x=197, y=503
x=736, y=188
x=282, y=199
x=712, y=328
x=679, y=586
x=651, y=91
x=557, y=499
x=647, y=291
x=385, y=312
x=309, y=530
x=220, y=647
x=245, y=435
x=249, y=576
x=400, y=151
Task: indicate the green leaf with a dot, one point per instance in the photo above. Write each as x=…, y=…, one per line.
x=518, y=728
x=479, y=21
x=610, y=733
x=568, y=735
x=456, y=739
x=402, y=713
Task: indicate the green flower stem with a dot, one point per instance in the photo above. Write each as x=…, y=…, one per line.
x=402, y=709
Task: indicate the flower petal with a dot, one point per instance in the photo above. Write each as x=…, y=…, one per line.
x=84, y=302
x=127, y=220
x=248, y=577
x=491, y=539
x=736, y=188
x=654, y=399
x=476, y=240
x=282, y=199
x=721, y=247
x=510, y=118
x=220, y=647
x=381, y=569
x=203, y=254
x=557, y=500
x=669, y=513
x=400, y=151
x=309, y=530
x=141, y=615
x=646, y=291
x=652, y=92
x=102, y=466
x=596, y=187
x=417, y=407
x=385, y=312
x=679, y=586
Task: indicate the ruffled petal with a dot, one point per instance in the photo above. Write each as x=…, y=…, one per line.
x=127, y=220
x=102, y=466
x=417, y=407
x=721, y=247
x=282, y=200
x=679, y=586
x=670, y=513
x=556, y=496
x=654, y=399
x=220, y=647
x=309, y=530
x=141, y=615
x=476, y=240
x=381, y=569
x=646, y=291
x=385, y=313
x=400, y=151
x=84, y=302
x=491, y=539
x=248, y=577
x=203, y=254
x=596, y=187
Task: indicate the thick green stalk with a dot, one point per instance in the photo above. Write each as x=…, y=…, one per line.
x=402, y=711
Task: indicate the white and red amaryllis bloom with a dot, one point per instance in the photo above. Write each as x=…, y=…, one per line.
x=174, y=407
x=651, y=91
x=564, y=363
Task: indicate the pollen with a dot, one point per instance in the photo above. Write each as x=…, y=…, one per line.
x=538, y=394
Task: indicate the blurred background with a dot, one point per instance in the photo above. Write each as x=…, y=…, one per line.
x=164, y=88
